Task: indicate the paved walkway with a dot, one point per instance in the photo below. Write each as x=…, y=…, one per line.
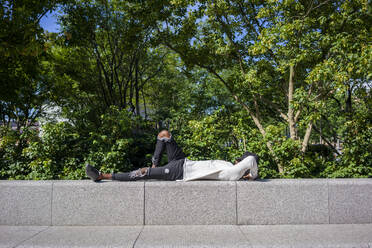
x=351, y=235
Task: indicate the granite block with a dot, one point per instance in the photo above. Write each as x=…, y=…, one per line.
x=105, y=203
x=350, y=201
x=283, y=201
x=25, y=202
x=88, y=236
x=11, y=236
x=190, y=203
x=191, y=236
x=306, y=236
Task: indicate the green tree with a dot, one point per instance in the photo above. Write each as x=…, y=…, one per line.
x=23, y=89
x=281, y=60
x=116, y=38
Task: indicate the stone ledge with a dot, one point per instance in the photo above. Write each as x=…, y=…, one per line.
x=190, y=203
x=25, y=202
x=271, y=202
x=350, y=201
x=279, y=201
x=77, y=203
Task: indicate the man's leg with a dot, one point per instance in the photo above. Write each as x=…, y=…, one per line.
x=96, y=175
x=127, y=176
x=165, y=140
x=159, y=149
x=172, y=171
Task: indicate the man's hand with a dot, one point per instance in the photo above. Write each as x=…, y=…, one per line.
x=249, y=177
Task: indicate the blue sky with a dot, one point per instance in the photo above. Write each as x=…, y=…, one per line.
x=49, y=22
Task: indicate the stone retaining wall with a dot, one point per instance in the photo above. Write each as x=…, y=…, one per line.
x=279, y=201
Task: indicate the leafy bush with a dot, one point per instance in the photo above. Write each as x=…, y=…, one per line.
x=58, y=154
x=13, y=163
x=356, y=159
x=224, y=135
x=122, y=143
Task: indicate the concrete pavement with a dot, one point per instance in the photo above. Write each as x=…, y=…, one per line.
x=304, y=236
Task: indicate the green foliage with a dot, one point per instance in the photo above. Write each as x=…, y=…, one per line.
x=356, y=158
x=296, y=164
x=251, y=48
x=56, y=153
x=23, y=48
x=120, y=144
x=217, y=73
x=224, y=134
x=13, y=163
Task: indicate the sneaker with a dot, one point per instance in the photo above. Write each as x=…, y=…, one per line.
x=92, y=172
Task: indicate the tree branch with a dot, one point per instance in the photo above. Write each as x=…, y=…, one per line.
x=326, y=140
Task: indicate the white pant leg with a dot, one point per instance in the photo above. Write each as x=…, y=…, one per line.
x=236, y=172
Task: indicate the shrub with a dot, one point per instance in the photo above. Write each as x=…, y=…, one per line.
x=121, y=143
x=13, y=163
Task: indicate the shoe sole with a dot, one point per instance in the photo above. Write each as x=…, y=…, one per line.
x=92, y=172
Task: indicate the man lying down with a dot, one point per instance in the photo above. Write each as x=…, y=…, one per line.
x=181, y=169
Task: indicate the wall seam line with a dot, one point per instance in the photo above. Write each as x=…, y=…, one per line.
x=144, y=203
x=236, y=203
x=51, y=206
x=329, y=211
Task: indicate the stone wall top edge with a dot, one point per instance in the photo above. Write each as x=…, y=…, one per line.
x=190, y=183
x=67, y=183
x=206, y=182
x=26, y=182
x=103, y=183
x=350, y=181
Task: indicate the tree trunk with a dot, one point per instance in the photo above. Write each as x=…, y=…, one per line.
x=136, y=88
x=349, y=108
x=320, y=132
x=305, y=142
x=263, y=132
x=291, y=121
x=255, y=120
x=131, y=97
x=144, y=105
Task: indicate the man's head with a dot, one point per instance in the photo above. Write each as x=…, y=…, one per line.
x=246, y=154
